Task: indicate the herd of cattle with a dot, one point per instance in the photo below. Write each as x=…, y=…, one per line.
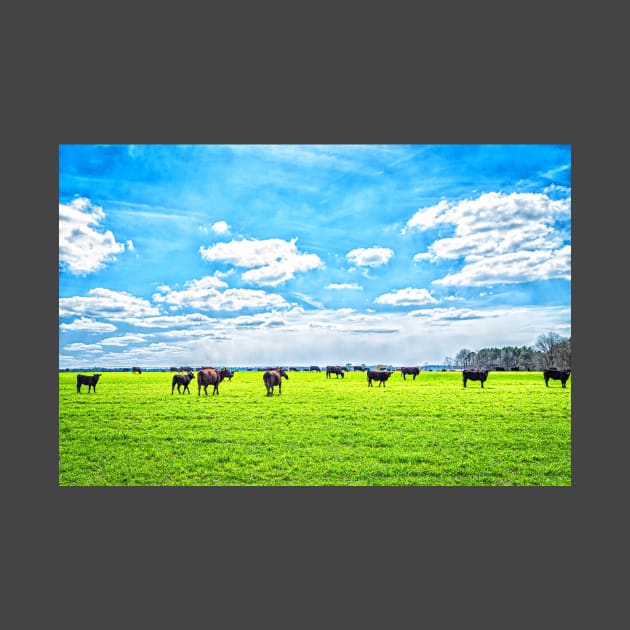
x=272, y=377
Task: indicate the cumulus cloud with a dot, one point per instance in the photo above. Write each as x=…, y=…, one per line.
x=501, y=238
x=220, y=227
x=370, y=256
x=511, y=268
x=271, y=261
x=104, y=303
x=406, y=297
x=89, y=325
x=83, y=248
x=204, y=294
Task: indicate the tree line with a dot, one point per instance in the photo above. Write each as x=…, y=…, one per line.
x=550, y=350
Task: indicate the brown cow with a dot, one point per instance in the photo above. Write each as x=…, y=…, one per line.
x=210, y=376
x=272, y=378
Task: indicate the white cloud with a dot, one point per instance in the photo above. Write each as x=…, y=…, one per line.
x=85, y=323
x=346, y=285
x=511, y=268
x=220, y=227
x=370, y=256
x=273, y=261
x=406, y=297
x=103, y=303
x=124, y=340
x=500, y=238
x=204, y=294
x=82, y=248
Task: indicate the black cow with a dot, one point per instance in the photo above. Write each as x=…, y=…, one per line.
x=136, y=369
x=181, y=379
x=557, y=375
x=334, y=369
x=358, y=368
x=475, y=375
x=314, y=368
x=173, y=369
x=90, y=381
x=210, y=376
x=410, y=370
x=378, y=375
x=272, y=378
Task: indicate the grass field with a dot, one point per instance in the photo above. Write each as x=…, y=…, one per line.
x=318, y=432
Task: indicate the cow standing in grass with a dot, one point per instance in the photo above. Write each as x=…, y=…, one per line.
x=378, y=375
x=210, y=376
x=475, y=375
x=557, y=375
x=334, y=369
x=272, y=378
x=90, y=381
x=411, y=371
x=181, y=380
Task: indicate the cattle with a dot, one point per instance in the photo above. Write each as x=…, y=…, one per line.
x=90, y=381
x=475, y=375
x=410, y=370
x=186, y=369
x=314, y=368
x=378, y=375
x=210, y=376
x=358, y=368
x=173, y=369
x=136, y=370
x=334, y=369
x=273, y=377
x=557, y=375
x=182, y=379
x=229, y=374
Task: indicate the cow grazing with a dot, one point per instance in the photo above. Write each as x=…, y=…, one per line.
x=90, y=381
x=378, y=375
x=334, y=369
x=557, y=375
x=475, y=375
x=210, y=376
x=136, y=370
x=411, y=371
x=314, y=368
x=273, y=377
x=181, y=380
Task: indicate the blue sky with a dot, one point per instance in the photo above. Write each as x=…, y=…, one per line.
x=252, y=255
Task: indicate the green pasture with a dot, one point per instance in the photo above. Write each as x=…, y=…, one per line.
x=319, y=431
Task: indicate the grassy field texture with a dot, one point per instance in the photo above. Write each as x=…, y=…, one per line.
x=320, y=431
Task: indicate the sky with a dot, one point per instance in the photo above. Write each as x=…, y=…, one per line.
x=296, y=255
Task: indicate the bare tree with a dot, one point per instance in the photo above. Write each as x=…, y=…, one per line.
x=550, y=348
